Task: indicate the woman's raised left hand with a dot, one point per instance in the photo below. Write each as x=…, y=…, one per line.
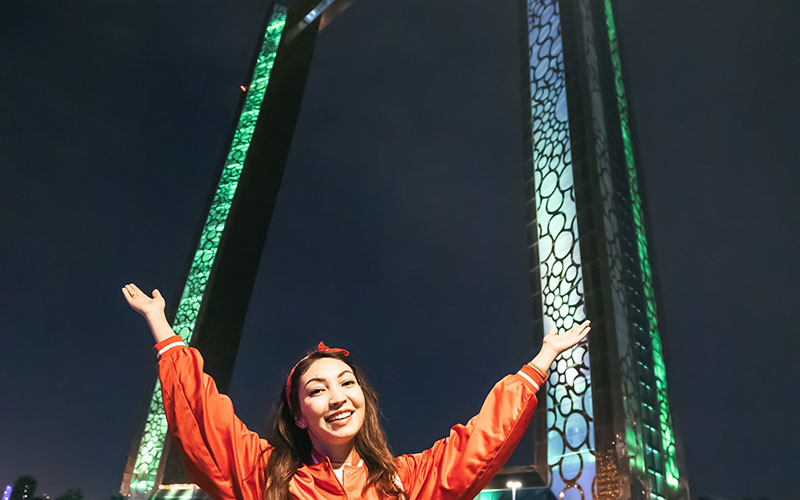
x=142, y=303
x=561, y=342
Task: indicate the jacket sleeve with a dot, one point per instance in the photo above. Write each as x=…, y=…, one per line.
x=222, y=456
x=460, y=465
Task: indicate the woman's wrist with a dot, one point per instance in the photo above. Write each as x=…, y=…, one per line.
x=159, y=326
x=155, y=316
x=542, y=361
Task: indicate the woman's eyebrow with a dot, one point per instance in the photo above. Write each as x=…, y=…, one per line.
x=322, y=380
x=315, y=379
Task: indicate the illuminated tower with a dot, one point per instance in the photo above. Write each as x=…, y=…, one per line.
x=222, y=270
x=607, y=431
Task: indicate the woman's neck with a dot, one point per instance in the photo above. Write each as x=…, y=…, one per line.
x=337, y=454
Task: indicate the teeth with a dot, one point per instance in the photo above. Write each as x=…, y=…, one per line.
x=340, y=416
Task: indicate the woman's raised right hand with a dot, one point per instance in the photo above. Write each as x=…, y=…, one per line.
x=143, y=303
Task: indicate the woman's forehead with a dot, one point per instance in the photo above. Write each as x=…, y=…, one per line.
x=325, y=368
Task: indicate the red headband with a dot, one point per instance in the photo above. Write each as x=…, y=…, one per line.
x=320, y=348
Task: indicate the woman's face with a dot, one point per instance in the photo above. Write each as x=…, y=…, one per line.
x=331, y=402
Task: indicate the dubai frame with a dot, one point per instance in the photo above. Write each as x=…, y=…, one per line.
x=606, y=430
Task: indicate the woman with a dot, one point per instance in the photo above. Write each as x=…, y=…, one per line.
x=326, y=440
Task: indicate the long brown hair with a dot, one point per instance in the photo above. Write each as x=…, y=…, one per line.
x=291, y=446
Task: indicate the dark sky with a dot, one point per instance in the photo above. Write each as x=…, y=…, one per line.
x=398, y=232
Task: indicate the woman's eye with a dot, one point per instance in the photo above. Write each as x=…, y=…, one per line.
x=348, y=383
x=314, y=392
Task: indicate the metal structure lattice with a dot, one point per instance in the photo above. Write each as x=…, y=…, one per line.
x=145, y=469
x=666, y=432
x=570, y=438
x=608, y=470
x=633, y=344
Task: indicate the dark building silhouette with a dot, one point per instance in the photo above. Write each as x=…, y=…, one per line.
x=71, y=494
x=24, y=488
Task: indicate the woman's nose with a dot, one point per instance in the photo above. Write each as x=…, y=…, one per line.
x=337, y=398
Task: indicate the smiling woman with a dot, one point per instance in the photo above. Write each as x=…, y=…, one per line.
x=326, y=441
x=335, y=424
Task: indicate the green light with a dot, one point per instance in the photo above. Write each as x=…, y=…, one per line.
x=633, y=444
x=145, y=469
x=490, y=495
x=507, y=493
x=667, y=437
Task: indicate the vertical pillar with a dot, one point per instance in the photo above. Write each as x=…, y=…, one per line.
x=553, y=224
x=214, y=301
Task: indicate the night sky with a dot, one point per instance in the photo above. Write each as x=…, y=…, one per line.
x=398, y=232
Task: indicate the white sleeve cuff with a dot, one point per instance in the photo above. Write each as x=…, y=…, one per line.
x=524, y=375
x=168, y=347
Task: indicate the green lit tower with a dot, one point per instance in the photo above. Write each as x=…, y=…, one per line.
x=222, y=270
x=605, y=430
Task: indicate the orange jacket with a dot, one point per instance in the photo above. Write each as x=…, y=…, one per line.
x=227, y=460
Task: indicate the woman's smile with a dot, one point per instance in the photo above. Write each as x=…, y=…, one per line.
x=340, y=416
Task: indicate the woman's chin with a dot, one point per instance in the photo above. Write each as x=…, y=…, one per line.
x=339, y=433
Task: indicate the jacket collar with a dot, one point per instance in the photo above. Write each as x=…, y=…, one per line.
x=318, y=458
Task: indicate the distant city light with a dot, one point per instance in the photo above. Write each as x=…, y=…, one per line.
x=7, y=492
x=244, y=89
x=513, y=485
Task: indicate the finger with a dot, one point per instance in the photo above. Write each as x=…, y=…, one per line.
x=127, y=295
x=156, y=293
x=583, y=326
x=136, y=294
